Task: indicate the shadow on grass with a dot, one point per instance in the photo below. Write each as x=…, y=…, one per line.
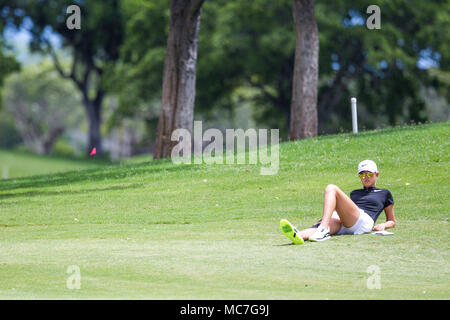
x=71, y=192
x=100, y=161
x=111, y=172
x=284, y=245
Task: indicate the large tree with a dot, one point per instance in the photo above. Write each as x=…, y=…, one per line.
x=178, y=90
x=41, y=105
x=93, y=48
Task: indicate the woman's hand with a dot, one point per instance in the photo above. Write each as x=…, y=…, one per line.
x=379, y=227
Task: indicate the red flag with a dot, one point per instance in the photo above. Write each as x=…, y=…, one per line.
x=94, y=151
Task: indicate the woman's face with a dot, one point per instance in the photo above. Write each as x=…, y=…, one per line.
x=368, y=179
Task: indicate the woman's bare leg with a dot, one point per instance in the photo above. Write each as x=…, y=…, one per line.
x=335, y=226
x=306, y=233
x=336, y=199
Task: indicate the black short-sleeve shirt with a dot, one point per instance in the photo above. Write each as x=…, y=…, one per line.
x=372, y=200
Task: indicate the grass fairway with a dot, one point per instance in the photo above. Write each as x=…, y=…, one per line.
x=155, y=230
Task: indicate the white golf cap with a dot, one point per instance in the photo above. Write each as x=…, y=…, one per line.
x=367, y=165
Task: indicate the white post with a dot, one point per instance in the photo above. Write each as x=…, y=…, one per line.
x=354, y=116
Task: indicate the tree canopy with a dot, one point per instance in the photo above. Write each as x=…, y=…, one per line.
x=251, y=44
x=246, y=53
x=93, y=48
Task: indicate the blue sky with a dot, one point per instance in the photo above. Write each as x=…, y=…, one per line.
x=19, y=40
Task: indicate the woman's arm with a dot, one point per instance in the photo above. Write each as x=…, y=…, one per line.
x=390, y=219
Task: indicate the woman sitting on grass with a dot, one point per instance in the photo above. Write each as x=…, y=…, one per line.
x=344, y=215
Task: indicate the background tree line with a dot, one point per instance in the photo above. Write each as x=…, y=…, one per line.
x=245, y=56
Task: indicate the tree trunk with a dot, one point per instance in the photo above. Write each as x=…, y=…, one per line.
x=50, y=138
x=93, y=110
x=304, y=122
x=178, y=93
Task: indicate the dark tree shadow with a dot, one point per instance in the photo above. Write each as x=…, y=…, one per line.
x=71, y=192
x=112, y=172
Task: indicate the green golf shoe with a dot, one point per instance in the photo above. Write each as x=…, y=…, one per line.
x=291, y=232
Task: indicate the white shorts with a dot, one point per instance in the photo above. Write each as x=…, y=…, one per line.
x=363, y=225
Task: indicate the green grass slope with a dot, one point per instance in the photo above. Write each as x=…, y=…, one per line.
x=155, y=230
x=21, y=164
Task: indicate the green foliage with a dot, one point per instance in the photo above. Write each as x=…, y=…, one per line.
x=42, y=104
x=8, y=64
x=247, y=43
x=9, y=135
x=62, y=148
x=248, y=47
x=137, y=78
x=251, y=44
x=97, y=41
x=94, y=48
x=382, y=66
